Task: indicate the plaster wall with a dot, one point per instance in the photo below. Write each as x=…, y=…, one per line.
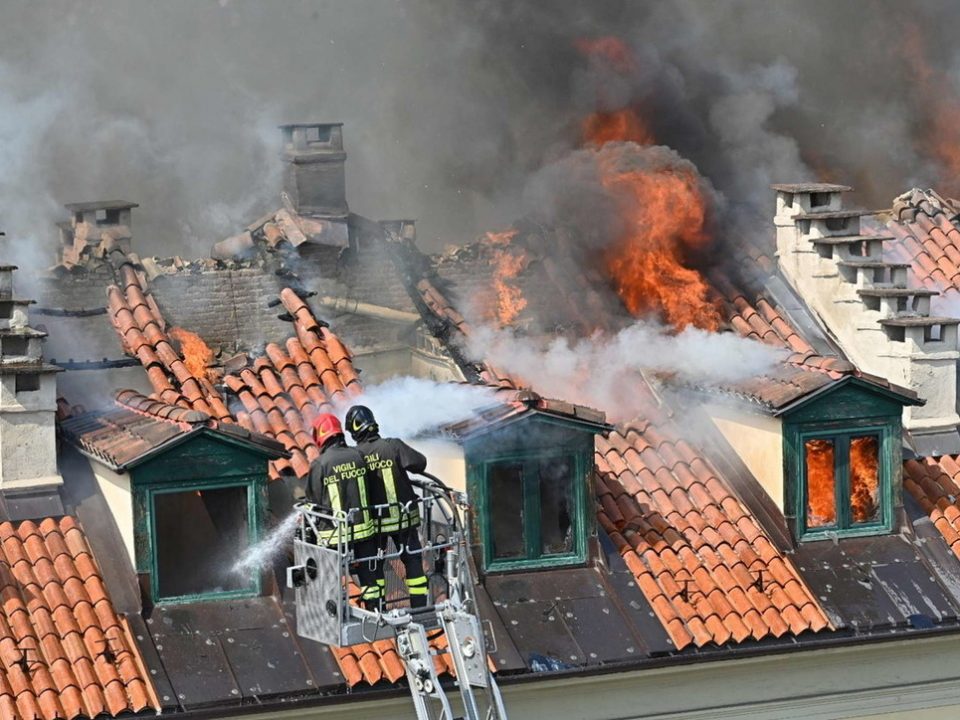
x=115, y=488
x=445, y=459
x=831, y=292
x=758, y=441
x=28, y=449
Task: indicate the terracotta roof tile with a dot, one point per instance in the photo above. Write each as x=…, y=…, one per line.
x=695, y=551
x=52, y=661
x=932, y=482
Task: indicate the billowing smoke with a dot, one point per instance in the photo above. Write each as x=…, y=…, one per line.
x=601, y=371
x=449, y=105
x=409, y=407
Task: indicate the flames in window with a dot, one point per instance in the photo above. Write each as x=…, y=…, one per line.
x=864, y=479
x=862, y=473
x=821, y=483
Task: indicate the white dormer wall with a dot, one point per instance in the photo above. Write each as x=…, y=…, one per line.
x=866, y=303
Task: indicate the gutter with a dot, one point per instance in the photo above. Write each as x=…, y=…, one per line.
x=372, y=695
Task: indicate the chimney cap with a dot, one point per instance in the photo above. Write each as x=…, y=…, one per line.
x=101, y=205
x=811, y=187
x=294, y=126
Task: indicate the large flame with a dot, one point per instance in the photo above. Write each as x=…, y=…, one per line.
x=196, y=355
x=508, y=263
x=664, y=217
x=864, y=478
x=939, y=139
x=602, y=127
x=821, y=484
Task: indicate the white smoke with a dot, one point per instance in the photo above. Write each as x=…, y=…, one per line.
x=601, y=371
x=409, y=407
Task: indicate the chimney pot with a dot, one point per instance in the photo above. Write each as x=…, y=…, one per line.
x=314, y=169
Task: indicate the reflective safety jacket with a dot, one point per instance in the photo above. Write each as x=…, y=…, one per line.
x=388, y=462
x=338, y=484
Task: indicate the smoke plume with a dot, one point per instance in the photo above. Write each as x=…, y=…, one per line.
x=601, y=371
x=409, y=407
x=449, y=106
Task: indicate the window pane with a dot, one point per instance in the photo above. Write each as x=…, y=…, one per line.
x=821, y=485
x=556, y=506
x=200, y=535
x=865, y=478
x=506, y=510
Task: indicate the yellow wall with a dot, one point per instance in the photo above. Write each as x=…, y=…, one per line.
x=116, y=491
x=758, y=440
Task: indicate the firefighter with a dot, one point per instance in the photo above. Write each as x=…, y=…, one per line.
x=398, y=517
x=338, y=483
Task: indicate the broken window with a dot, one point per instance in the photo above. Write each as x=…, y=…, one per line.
x=198, y=536
x=27, y=382
x=843, y=481
x=506, y=521
x=531, y=510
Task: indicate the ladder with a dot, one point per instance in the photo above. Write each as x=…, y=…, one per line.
x=325, y=613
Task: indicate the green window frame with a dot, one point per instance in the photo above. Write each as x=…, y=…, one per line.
x=148, y=556
x=841, y=435
x=532, y=555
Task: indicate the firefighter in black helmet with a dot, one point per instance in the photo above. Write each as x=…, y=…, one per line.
x=388, y=462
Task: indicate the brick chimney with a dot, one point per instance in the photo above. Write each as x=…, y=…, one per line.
x=314, y=174
x=104, y=225
x=866, y=303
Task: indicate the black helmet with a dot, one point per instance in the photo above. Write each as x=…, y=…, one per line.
x=361, y=422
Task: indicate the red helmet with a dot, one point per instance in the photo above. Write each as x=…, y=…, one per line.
x=326, y=426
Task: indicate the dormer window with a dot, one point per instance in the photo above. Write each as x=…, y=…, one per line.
x=534, y=508
x=828, y=453
x=845, y=482
x=528, y=478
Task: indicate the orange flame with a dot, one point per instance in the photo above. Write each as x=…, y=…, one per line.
x=821, y=485
x=508, y=263
x=196, y=355
x=940, y=138
x=664, y=216
x=622, y=125
x=864, y=478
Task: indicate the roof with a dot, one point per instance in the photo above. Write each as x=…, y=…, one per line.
x=140, y=427
x=694, y=550
x=933, y=483
x=517, y=404
x=926, y=227
x=703, y=562
x=66, y=652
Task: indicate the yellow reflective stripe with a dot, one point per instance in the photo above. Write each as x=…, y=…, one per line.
x=370, y=592
x=417, y=581
x=393, y=509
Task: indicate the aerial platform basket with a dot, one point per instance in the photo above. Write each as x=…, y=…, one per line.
x=320, y=576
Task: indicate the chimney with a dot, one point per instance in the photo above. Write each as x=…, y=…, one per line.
x=314, y=175
x=28, y=398
x=866, y=303
x=103, y=224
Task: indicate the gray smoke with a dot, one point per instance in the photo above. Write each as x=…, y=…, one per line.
x=449, y=106
x=601, y=371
